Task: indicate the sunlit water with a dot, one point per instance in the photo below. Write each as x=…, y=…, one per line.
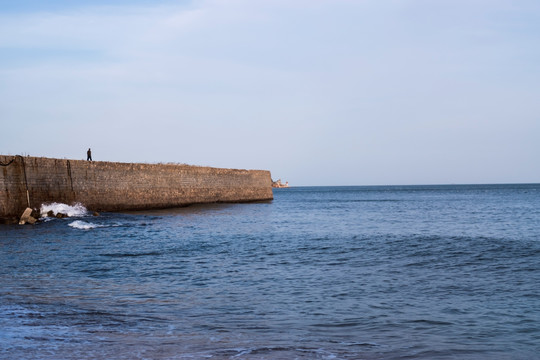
x=438, y=272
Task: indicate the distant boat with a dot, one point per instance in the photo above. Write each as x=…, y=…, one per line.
x=279, y=184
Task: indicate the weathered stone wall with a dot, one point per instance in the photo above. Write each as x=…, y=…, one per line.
x=109, y=186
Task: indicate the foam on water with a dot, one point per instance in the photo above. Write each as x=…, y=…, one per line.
x=83, y=225
x=75, y=210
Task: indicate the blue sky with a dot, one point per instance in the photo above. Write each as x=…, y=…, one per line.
x=319, y=92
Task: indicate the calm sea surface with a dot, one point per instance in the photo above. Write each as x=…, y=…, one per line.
x=413, y=272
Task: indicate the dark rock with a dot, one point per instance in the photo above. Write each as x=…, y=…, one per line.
x=95, y=213
x=50, y=213
x=61, y=215
x=35, y=214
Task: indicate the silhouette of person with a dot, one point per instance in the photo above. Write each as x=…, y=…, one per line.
x=89, y=155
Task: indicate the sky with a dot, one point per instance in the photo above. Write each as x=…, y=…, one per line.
x=319, y=92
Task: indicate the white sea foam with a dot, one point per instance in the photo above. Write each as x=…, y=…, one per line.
x=71, y=210
x=83, y=225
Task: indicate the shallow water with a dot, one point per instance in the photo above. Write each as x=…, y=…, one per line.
x=423, y=272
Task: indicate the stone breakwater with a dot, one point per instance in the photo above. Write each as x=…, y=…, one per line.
x=111, y=186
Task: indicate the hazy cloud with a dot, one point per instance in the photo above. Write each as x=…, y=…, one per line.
x=319, y=92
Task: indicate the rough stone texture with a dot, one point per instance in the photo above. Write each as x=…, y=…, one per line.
x=109, y=186
x=26, y=217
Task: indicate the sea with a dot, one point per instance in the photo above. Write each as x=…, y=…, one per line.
x=359, y=272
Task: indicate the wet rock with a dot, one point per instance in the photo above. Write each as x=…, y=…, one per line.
x=61, y=215
x=35, y=214
x=26, y=217
x=95, y=213
x=50, y=213
x=31, y=220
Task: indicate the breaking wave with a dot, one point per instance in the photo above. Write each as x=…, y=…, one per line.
x=77, y=209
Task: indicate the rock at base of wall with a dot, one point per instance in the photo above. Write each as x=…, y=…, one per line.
x=27, y=218
x=36, y=214
x=31, y=220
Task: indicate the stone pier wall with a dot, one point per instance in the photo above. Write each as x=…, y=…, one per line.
x=110, y=186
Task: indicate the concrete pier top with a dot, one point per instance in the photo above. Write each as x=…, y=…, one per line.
x=112, y=186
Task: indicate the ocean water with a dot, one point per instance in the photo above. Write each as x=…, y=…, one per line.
x=412, y=272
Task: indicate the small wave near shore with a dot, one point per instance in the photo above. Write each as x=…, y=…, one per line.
x=78, y=211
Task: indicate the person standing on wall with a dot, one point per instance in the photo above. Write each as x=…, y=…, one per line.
x=89, y=155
